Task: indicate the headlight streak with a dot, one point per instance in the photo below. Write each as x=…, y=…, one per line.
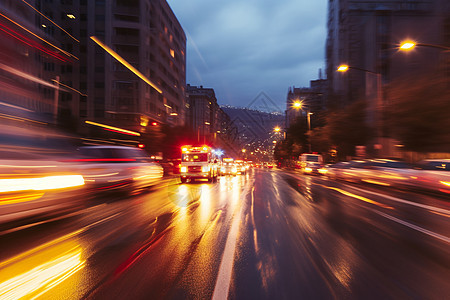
x=357, y=197
x=40, y=184
x=39, y=280
x=375, y=182
x=29, y=77
x=20, y=198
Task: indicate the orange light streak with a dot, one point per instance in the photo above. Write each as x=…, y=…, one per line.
x=125, y=63
x=113, y=128
x=71, y=88
x=49, y=20
x=34, y=34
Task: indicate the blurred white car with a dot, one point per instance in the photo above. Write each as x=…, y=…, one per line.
x=433, y=175
x=106, y=168
x=34, y=184
x=387, y=172
x=36, y=187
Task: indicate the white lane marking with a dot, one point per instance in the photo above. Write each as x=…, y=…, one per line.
x=222, y=288
x=436, y=209
x=415, y=227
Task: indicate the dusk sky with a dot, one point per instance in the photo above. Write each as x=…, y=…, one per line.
x=242, y=48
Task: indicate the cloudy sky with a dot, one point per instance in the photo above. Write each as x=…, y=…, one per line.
x=244, y=47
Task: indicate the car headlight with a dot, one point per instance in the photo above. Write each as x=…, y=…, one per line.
x=308, y=170
x=205, y=169
x=323, y=171
x=183, y=169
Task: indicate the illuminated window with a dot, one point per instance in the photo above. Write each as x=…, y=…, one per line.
x=172, y=53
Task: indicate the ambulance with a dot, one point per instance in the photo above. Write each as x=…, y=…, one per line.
x=198, y=163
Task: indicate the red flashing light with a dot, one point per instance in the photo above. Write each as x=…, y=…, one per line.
x=154, y=124
x=141, y=146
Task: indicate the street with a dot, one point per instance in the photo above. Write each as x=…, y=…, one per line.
x=269, y=234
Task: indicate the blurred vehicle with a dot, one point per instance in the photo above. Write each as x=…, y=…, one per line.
x=386, y=172
x=176, y=166
x=353, y=170
x=36, y=187
x=33, y=183
x=240, y=166
x=198, y=163
x=228, y=167
x=311, y=163
x=111, y=168
x=432, y=175
x=337, y=170
x=269, y=165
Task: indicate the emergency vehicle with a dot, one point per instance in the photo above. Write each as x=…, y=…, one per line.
x=198, y=163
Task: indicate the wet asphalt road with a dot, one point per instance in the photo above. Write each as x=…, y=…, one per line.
x=271, y=234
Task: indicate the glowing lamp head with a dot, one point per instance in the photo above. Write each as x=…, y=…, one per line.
x=297, y=104
x=343, y=68
x=407, y=45
x=277, y=129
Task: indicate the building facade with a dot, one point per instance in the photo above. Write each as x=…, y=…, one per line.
x=145, y=33
x=312, y=99
x=33, y=62
x=365, y=35
x=209, y=121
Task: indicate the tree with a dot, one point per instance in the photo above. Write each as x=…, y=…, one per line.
x=344, y=129
x=418, y=112
x=348, y=128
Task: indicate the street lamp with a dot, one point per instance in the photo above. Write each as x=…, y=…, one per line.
x=297, y=104
x=277, y=129
x=379, y=100
x=409, y=45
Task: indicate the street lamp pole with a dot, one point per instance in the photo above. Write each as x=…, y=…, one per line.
x=309, y=129
x=378, y=106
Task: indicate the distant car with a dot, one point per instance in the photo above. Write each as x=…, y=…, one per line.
x=311, y=163
x=107, y=168
x=228, y=168
x=240, y=167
